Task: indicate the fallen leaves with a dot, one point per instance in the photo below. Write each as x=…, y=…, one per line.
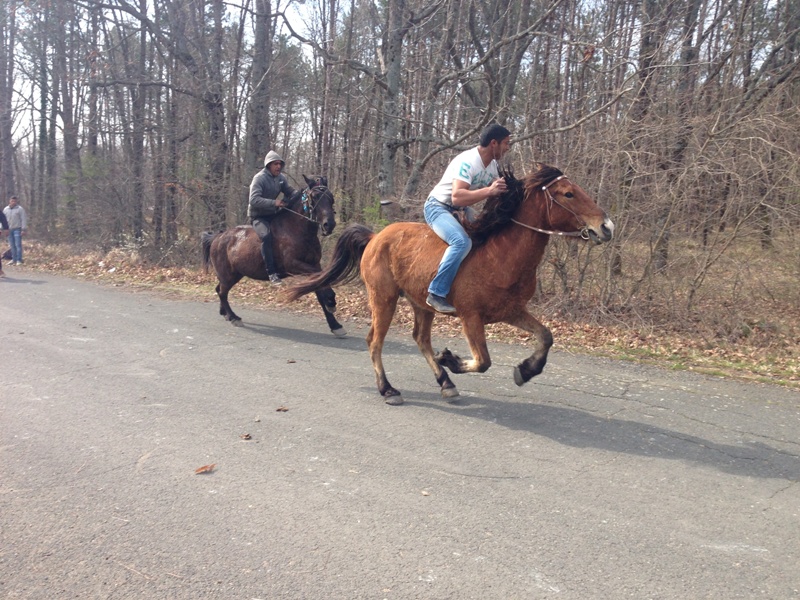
x=281, y=409
x=205, y=469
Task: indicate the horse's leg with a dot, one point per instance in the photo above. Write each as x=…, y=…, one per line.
x=382, y=314
x=475, y=332
x=543, y=340
x=221, y=305
x=327, y=300
x=325, y=296
x=224, y=307
x=423, y=319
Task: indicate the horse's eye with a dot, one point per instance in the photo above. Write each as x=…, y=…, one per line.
x=568, y=194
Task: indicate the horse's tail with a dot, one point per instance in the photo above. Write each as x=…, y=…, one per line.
x=206, y=238
x=345, y=263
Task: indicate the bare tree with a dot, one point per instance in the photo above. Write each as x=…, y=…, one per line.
x=257, y=136
x=7, y=43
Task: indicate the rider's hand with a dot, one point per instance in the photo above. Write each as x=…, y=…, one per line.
x=498, y=187
x=280, y=203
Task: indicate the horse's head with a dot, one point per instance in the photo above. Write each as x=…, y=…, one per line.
x=318, y=204
x=562, y=207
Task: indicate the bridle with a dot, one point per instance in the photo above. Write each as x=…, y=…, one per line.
x=309, y=202
x=583, y=233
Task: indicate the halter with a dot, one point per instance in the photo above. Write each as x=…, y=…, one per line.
x=583, y=233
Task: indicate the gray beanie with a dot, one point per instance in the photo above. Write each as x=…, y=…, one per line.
x=271, y=157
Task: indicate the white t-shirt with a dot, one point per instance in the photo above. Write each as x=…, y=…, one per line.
x=468, y=167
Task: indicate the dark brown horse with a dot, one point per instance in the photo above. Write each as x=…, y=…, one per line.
x=236, y=253
x=495, y=281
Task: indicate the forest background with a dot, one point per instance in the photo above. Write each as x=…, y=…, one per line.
x=136, y=125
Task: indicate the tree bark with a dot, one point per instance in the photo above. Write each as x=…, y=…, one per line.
x=7, y=42
x=257, y=138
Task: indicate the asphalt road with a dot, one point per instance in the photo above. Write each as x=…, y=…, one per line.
x=598, y=479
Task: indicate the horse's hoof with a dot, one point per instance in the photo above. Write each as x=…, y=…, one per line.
x=340, y=333
x=450, y=392
x=396, y=400
x=445, y=358
x=518, y=379
x=237, y=323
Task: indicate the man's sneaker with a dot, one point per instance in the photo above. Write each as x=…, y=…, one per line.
x=275, y=280
x=440, y=304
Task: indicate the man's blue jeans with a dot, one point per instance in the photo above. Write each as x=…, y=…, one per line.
x=15, y=239
x=459, y=244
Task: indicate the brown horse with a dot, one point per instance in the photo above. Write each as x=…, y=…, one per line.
x=494, y=283
x=236, y=253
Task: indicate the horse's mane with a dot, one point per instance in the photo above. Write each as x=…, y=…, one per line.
x=498, y=211
x=290, y=203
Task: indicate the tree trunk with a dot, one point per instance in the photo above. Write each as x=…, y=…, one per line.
x=7, y=42
x=683, y=129
x=257, y=138
x=396, y=29
x=138, y=102
x=65, y=72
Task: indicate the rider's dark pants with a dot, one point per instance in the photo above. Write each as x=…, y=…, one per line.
x=264, y=231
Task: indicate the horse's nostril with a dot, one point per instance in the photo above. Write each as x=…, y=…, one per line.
x=607, y=232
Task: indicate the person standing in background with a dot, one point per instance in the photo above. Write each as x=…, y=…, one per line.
x=17, y=223
x=3, y=225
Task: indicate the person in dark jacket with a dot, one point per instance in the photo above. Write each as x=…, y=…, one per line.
x=267, y=185
x=3, y=226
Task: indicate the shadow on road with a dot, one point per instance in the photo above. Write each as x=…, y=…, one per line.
x=580, y=429
x=324, y=338
x=11, y=279
x=573, y=426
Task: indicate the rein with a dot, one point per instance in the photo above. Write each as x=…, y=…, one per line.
x=583, y=233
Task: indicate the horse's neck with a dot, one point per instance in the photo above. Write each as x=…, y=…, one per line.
x=293, y=220
x=295, y=203
x=521, y=248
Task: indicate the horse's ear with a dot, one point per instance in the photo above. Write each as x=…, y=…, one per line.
x=309, y=182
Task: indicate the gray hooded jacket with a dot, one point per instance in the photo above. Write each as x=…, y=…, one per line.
x=264, y=191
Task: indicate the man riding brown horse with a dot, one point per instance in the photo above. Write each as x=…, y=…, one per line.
x=264, y=204
x=494, y=284
x=471, y=177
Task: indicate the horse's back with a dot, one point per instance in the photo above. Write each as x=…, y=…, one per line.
x=229, y=242
x=234, y=250
x=405, y=241
x=409, y=252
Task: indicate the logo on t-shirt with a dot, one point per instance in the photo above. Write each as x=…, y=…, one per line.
x=481, y=179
